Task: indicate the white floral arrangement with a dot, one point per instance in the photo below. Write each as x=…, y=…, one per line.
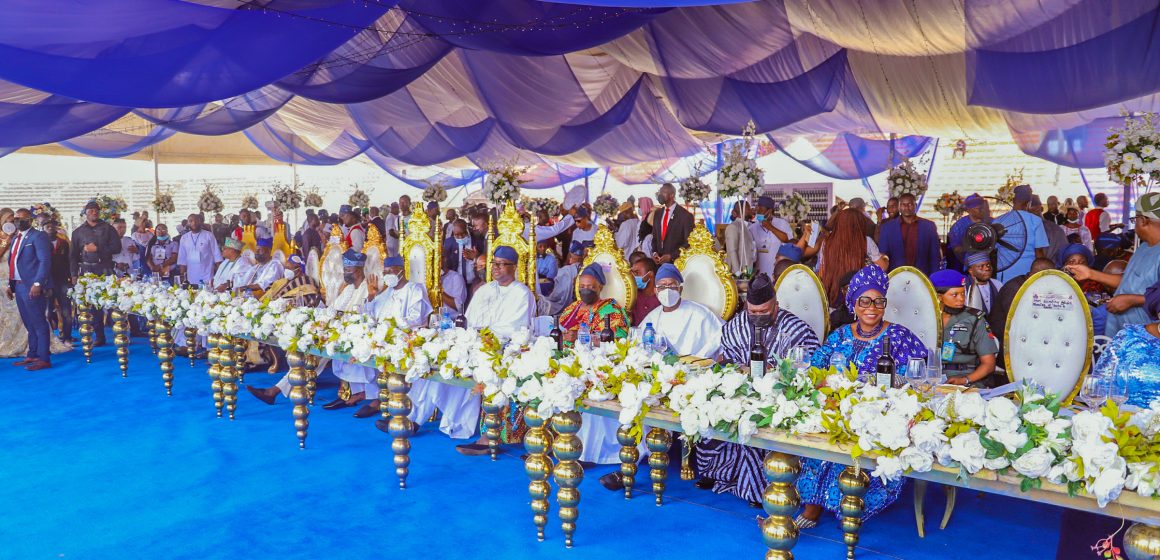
x=693, y=190
x=795, y=209
x=210, y=202
x=359, y=198
x=286, y=197
x=1006, y=192
x=606, y=206
x=250, y=202
x=533, y=205
x=502, y=183
x=949, y=204
x=739, y=176
x=1098, y=452
x=1132, y=156
x=45, y=210
x=435, y=192
x=312, y=198
x=163, y=203
x=904, y=178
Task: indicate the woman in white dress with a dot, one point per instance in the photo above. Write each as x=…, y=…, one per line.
x=14, y=339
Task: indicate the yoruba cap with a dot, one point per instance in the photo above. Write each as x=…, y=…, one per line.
x=392, y=261
x=507, y=253
x=352, y=258
x=791, y=252
x=976, y=257
x=667, y=270
x=596, y=271
x=760, y=290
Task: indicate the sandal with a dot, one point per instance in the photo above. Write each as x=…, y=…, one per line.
x=804, y=522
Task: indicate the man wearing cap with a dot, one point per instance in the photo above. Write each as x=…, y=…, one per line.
x=352, y=298
x=981, y=282
x=788, y=255
x=976, y=209
x=910, y=240
x=1143, y=270
x=231, y=267
x=266, y=270
x=729, y=467
x=1109, y=247
x=1018, y=260
x=671, y=226
x=968, y=349
x=686, y=327
x=406, y=303
x=562, y=288
x=769, y=231
x=295, y=285
x=352, y=230
x=197, y=252
x=503, y=306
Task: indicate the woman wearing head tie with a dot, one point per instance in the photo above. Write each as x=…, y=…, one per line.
x=859, y=344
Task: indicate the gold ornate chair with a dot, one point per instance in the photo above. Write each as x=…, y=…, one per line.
x=330, y=265
x=511, y=233
x=376, y=251
x=619, y=285
x=1049, y=334
x=800, y=292
x=707, y=277
x=421, y=257
x=913, y=303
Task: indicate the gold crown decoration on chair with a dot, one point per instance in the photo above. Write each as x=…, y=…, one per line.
x=606, y=252
x=701, y=244
x=418, y=242
x=374, y=240
x=335, y=247
x=510, y=227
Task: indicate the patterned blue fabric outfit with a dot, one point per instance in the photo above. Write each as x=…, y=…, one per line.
x=1132, y=353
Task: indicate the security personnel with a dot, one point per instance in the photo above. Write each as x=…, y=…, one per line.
x=969, y=349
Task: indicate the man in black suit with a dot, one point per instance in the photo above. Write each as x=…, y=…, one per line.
x=672, y=225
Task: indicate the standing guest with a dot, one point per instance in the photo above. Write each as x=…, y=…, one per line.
x=1056, y=238
x=910, y=240
x=672, y=225
x=969, y=348
x=392, y=228
x=976, y=208
x=643, y=273
x=1074, y=229
x=459, y=249
x=997, y=318
x=480, y=268
x=1098, y=220
x=1035, y=244
x=311, y=238
x=769, y=232
x=859, y=344
x=220, y=229
x=142, y=233
x=840, y=316
x=981, y=280
x=449, y=217
x=454, y=298
x=563, y=292
x=126, y=259
x=787, y=256
x=376, y=221
x=60, y=304
x=197, y=253
x=730, y=467
x=845, y=250
x=626, y=231
x=30, y=265
x=1053, y=213
x=161, y=254
x=740, y=250
x=244, y=232
x=891, y=208
x=93, y=244
x=585, y=231
x=868, y=228
x=353, y=231
x=1127, y=306
x=682, y=326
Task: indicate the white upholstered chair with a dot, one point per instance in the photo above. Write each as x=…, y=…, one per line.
x=913, y=303
x=800, y=292
x=707, y=278
x=1049, y=334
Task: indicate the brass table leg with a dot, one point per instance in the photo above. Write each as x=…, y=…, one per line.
x=121, y=340
x=165, y=355
x=152, y=336
x=781, y=502
x=629, y=456
x=853, y=482
x=538, y=466
x=568, y=471
x=227, y=358
x=1142, y=542
x=492, y=421
x=658, y=442
x=311, y=377
x=297, y=378
x=213, y=341
x=239, y=364
x=398, y=405
x=191, y=344
x=85, y=318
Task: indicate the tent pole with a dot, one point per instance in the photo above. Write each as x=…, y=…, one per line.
x=156, y=173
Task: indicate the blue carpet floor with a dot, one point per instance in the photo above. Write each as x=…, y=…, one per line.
x=93, y=466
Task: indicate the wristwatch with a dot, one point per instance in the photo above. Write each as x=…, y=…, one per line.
x=36, y=284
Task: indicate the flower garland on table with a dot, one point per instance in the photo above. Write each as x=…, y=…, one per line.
x=1100, y=452
x=905, y=179
x=739, y=175
x=534, y=205
x=795, y=209
x=1132, y=156
x=949, y=204
x=286, y=197
x=503, y=183
x=435, y=192
x=312, y=198
x=210, y=202
x=606, y=206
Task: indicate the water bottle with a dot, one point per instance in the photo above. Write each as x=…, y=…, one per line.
x=446, y=323
x=650, y=336
x=584, y=336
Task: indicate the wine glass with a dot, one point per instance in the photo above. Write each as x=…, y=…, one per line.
x=1118, y=390
x=916, y=373
x=934, y=370
x=1094, y=391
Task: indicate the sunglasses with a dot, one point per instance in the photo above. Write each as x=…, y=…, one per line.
x=502, y=264
x=866, y=301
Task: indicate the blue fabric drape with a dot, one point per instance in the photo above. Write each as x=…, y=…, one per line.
x=849, y=156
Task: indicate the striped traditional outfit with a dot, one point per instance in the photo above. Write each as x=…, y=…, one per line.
x=734, y=468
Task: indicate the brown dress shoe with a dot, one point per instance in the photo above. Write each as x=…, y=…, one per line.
x=38, y=365
x=265, y=395
x=24, y=362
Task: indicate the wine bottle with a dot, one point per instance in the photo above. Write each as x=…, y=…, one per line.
x=461, y=321
x=885, y=369
x=757, y=354
x=607, y=335
x=557, y=335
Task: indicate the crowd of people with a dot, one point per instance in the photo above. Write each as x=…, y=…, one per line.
x=1117, y=268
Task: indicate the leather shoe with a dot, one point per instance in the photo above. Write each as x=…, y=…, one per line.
x=473, y=449
x=24, y=362
x=366, y=411
x=612, y=481
x=705, y=483
x=756, y=505
x=261, y=394
x=384, y=426
x=336, y=404
x=38, y=365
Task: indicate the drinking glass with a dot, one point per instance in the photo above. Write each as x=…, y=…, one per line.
x=1094, y=391
x=916, y=374
x=1118, y=390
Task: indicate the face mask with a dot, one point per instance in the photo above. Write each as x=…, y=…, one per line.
x=588, y=296
x=478, y=271
x=391, y=280
x=463, y=242
x=9, y=228
x=288, y=274
x=23, y=225
x=669, y=298
x=760, y=218
x=953, y=310
x=348, y=277
x=760, y=320
x=163, y=238
x=1073, y=220
x=641, y=283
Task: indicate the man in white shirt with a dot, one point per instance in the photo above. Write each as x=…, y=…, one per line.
x=769, y=232
x=687, y=328
x=197, y=252
x=740, y=251
x=391, y=228
x=504, y=306
x=626, y=233
x=123, y=262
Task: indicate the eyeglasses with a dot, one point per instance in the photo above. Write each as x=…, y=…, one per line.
x=866, y=301
x=660, y=287
x=502, y=264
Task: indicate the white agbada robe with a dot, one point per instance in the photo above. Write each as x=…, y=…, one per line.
x=503, y=309
x=455, y=287
x=691, y=329
x=391, y=223
x=409, y=306
x=226, y=272
x=361, y=378
x=563, y=291
x=550, y=231
x=626, y=236
x=767, y=244
x=261, y=274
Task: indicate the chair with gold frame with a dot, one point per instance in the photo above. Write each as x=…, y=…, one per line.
x=330, y=265
x=421, y=257
x=376, y=251
x=707, y=277
x=509, y=230
x=1049, y=334
x=619, y=284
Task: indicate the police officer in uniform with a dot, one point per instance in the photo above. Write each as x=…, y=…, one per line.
x=969, y=349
